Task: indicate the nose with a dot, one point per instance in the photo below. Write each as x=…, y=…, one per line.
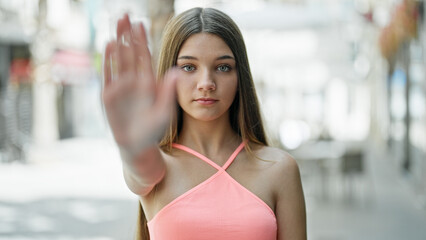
x=206, y=81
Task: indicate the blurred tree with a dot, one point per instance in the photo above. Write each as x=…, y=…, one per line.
x=159, y=12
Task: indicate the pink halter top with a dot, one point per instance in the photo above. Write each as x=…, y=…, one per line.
x=218, y=208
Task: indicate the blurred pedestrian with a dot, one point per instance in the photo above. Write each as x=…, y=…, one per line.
x=191, y=136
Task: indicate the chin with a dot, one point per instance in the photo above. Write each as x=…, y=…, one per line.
x=206, y=117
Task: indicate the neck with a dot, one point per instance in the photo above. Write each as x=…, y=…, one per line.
x=208, y=137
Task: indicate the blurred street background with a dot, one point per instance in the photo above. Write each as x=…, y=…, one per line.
x=342, y=86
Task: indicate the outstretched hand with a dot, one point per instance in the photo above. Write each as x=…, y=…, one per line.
x=138, y=109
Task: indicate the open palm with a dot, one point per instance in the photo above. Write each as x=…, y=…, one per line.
x=138, y=109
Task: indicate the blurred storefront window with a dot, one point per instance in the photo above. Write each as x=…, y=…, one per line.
x=402, y=43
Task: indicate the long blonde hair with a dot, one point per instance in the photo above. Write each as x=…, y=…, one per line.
x=244, y=113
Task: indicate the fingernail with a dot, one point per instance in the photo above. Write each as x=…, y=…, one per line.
x=125, y=39
x=135, y=28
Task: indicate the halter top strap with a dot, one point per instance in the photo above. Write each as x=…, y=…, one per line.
x=206, y=159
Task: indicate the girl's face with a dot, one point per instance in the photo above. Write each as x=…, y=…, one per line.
x=208, y=80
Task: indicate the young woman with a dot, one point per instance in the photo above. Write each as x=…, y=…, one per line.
x=193, y=145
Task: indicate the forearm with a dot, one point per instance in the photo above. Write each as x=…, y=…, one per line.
x=143, y=171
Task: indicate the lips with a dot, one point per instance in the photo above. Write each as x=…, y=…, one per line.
x=206, y=101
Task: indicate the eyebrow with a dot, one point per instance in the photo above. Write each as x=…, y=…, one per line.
x=219, y=58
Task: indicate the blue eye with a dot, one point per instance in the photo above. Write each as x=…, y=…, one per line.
x=188, y=68
x=224, y=68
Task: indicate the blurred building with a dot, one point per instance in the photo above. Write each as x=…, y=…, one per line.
x=15, y=87
x=403, y=45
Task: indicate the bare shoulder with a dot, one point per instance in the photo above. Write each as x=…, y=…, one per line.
x=281, y=159
x=284, y=167
x=287, y=191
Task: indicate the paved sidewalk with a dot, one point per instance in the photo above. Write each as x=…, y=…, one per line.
x=68, y=218
x=73, y=189
x=68, y=168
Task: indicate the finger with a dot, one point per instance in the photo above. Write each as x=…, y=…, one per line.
x=142, y=51
x=107, y=64
x=166, y=94
x=126, y=57
x=123, y=25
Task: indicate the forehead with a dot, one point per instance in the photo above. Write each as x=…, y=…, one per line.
x=201, y=44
